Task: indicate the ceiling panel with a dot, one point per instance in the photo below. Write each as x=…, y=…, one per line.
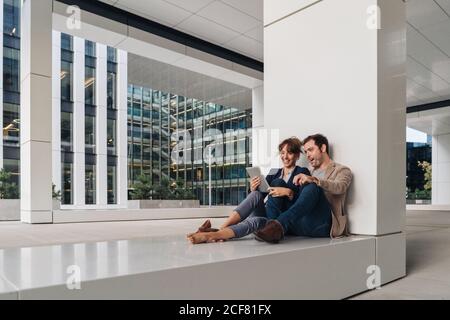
x=203, y=28
x=426, y=78
x=422, y=13
x=253, y=8
x=191, y=5
x=445, y=5
x=257, y=33
x=158, y=10
x=229, y=17
x=439, y=35
x=247, y=46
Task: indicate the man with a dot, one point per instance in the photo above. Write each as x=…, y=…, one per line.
x=319, y=209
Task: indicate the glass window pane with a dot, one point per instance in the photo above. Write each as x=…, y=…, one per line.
x=89, y=86
x=112, y=185
x=11, y=69
x=89, y=48
x=111, y=136
x=67, y=180
x=11, y=17
x=11, y=125
x=66, y=131
x=111, y=90
x=90, y=141
x=66, y=81
x=66, y=41
x=90, y=186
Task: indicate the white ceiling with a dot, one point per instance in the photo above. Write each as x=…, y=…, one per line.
x=238, y=26
x=428, y=41
x=233, y=24
x=433, y=122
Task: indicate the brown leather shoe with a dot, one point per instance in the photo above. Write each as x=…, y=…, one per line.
x=272, y=232
x=206, y=227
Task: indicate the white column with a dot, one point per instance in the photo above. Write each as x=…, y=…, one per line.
x=441, y=170
x=101, y=121
x=78, y=123
x=122, y=131
x=1, y=86
x=330, y=70
x=36, y=111
x=56, y=110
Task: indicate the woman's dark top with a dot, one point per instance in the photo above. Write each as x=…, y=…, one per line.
x=277, y=174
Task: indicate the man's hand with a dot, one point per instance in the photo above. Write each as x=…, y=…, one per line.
x=302, y=179
x=281, y=192
x=254, y=183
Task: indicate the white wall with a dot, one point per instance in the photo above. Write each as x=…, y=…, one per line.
x=441, y=169
x=327, y=72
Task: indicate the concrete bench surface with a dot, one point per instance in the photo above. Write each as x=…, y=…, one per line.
x=168, y=267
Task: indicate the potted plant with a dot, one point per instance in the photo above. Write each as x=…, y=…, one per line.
x=164, y=195
x=56, y=197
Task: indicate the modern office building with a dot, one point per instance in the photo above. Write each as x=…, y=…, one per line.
x=87, y=160
x=98, y=94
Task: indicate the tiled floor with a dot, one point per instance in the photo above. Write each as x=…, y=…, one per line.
x=427, y=260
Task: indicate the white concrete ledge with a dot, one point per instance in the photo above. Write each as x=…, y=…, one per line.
x=68, y=216
x=428, y=207
x=170, y=268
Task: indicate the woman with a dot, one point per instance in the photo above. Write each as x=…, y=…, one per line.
x=282, y=194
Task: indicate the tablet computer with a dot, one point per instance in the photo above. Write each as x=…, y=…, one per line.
x=256, y=172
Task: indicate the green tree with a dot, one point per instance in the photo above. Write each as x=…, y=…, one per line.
x=142, y=190
x=8, y=189
x=427, y=174
x=181, y=193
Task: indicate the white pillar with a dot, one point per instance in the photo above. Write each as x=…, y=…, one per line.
x=441, y=170
x=36, y=111
x=101, y=122
x=330, y=70
x=1, y=86
x=122, y=130
x=78, y=123
x=56, y=110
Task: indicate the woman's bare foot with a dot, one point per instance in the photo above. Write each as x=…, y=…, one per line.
x=205, y=227
x=201, y=237
x=207, y=237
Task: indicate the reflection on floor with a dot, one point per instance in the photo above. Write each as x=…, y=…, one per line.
x=427, y=260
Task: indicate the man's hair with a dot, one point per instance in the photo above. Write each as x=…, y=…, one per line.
x=294, y=145
x=319, y=140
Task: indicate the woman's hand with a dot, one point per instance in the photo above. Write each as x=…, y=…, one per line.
x=254, y=183
x=281, y=192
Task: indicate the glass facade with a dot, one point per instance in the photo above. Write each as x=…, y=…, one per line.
x=111, y=124
x=159, y=123
x=11, y=89
x=154, y=118
x=67, y=173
